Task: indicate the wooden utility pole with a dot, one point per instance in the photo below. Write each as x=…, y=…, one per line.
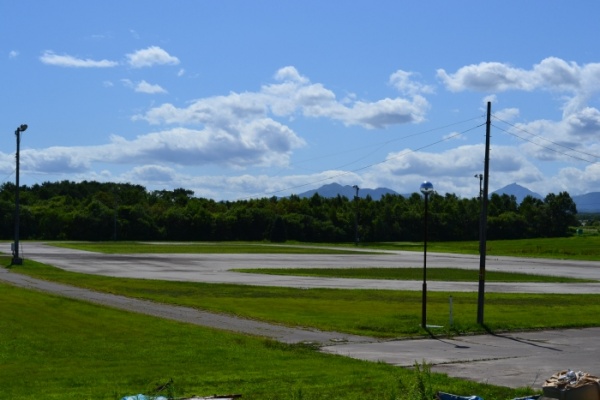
x=483, y=218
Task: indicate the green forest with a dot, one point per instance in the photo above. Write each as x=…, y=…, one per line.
x=97, y=211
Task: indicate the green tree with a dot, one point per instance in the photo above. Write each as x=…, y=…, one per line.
x=560, y=214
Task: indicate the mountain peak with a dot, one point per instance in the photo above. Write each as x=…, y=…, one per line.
x=334, y=189
x=520, y=192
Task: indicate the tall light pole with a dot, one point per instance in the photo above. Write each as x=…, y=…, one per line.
x=356, y=216
x=426, y=189
x=480, y=176
x=16, y=259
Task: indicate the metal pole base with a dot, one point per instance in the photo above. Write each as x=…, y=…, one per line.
x=16, y=261
x=424, y=307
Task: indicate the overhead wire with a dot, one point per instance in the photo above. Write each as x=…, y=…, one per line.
x=547, y=140
x=389, y=158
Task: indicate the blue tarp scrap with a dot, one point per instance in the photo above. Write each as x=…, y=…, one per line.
x=448, y=396
x=144, y=397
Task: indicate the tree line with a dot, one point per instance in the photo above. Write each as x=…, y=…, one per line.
x=97, y=211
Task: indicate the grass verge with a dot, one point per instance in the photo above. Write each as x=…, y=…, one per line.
x=201, y=248
x=573, y=248
x=407, y=274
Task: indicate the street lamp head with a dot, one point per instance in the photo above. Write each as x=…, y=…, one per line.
x=22, y=128
x=426, y=188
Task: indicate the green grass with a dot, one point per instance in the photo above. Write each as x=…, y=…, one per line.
x=200, y=248
x=57, y=348
x=574, y=248
x=433, y=274
x=381, y=313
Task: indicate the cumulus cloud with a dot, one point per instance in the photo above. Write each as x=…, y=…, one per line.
x=574, y=138
x=261, y=142
x=152, y=173
x=151, y=56
x=145, y=87
x=291, y=94
x=487, y=77
x=552, y=74
x=402, y=80
x=453, y=170
x=51, y=58
x=58, y=159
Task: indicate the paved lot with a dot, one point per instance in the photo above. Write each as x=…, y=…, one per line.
x=216, y=268
x=514, y=360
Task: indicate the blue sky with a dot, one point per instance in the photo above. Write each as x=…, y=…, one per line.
x=246, y=99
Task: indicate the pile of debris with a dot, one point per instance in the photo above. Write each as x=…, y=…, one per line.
x=563, y=385
x=570, y=385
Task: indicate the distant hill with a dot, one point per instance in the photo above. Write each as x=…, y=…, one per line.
x=333, y=189
x=518, y=191
x=588, y=203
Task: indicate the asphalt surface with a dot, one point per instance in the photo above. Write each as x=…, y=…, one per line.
x=513, y=360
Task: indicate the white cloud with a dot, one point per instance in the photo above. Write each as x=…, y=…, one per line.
x=402, y=80
x=261, y=142
x=292, y=94
x=58, y=159
x=507, y=114
x=153, y=55
x=50, y=58
x=552, y=74
x=13, y=54
x=145, y=87
x=487, y=76
x=452, y=171
x=152, y=173
x=574, y=138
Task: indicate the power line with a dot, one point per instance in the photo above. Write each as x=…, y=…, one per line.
x=390, y=158
x=549, y=141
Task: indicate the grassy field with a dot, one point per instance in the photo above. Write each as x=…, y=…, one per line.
x=574, y=248
x=202, y=247
x=57, y=348
x=381, y=313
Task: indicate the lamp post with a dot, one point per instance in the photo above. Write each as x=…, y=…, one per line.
x=16, y=259
x=480, y=176
x=356, y=216
x=426, y=189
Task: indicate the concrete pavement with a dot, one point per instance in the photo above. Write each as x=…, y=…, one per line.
x=217, y=268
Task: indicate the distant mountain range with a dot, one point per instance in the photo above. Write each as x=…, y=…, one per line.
x=333, y=189
x=589, y=202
